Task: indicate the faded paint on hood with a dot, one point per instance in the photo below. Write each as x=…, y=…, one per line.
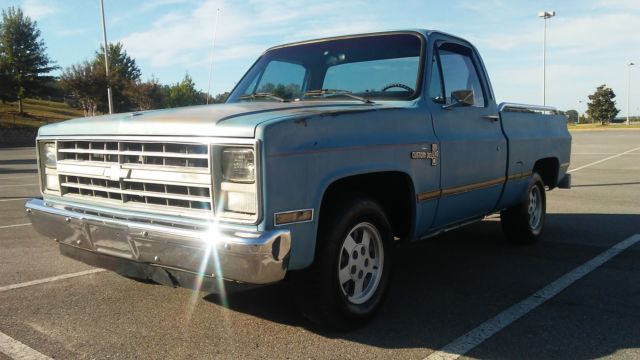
x=225, y=120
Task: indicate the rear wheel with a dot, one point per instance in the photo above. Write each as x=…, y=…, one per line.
x=524, y=223
x=347, y=283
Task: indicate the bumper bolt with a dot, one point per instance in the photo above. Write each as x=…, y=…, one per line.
x=67, y=219
x=78, y=242
x=28, y=211
x=145, y=233
x=155, y=258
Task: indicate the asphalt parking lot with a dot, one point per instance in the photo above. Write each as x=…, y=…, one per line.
x=452, y=285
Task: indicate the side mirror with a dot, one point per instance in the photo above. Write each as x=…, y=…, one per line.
x=463, y=97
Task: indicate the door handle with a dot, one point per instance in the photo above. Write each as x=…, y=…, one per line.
x=491, y=117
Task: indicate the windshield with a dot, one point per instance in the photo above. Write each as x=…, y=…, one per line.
x=376, y=67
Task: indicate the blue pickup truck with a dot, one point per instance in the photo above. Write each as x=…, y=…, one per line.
x=326, y=155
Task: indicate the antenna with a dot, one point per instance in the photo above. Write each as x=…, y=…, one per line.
x=213, y=47
x=106, y=58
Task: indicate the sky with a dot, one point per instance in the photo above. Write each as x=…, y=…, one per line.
x=589, y=42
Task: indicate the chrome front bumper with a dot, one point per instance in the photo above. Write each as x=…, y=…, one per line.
x=120, y=240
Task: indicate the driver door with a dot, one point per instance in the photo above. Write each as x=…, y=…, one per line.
x=472, y=147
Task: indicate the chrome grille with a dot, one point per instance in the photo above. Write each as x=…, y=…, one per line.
x=162, y=176
x=136, y=153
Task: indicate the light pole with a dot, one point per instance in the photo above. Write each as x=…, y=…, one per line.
x=629, y=65
x=579, y=106
x=545, y=15
x=106, y=58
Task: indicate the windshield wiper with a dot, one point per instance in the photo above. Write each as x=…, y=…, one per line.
x=346, y=93
x=260, y=95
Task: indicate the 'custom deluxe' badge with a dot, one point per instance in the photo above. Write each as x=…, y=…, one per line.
x=424, y=155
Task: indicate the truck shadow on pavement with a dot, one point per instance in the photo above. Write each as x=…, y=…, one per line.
x=19, y=162
x=6, y=166
x=446, y=286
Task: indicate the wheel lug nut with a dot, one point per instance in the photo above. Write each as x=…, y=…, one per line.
x=360, y=274
x=363, y=251
x=353, y=269
x=366, y=262
x=355, y=255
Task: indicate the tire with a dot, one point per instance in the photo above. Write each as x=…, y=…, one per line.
x=348, y=281
x=524, y=222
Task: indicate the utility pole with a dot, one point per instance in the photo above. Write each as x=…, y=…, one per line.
x=545, y=15
x=629, y=65
x=213, y=48
x=106, y=58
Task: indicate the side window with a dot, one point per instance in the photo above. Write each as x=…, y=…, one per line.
x=435, y=84
x=280, y=78
x=459, y=72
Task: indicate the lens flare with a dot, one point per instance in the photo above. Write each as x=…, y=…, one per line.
x=211, y=240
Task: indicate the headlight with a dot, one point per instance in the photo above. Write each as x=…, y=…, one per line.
x=238, y=165
x=48, y=166
x=239, y=188
x=49, y=156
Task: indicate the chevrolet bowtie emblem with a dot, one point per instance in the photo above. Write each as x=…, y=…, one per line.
x=430, y=155
x=116, y=173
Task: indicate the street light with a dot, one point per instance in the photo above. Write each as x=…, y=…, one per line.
x=545, y=15
x=629, y=65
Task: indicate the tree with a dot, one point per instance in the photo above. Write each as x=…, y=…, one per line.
x=147, y=95
x=184, y=93
x=288, y=92
x=601, y=106
x=123, y=74
x=85, y=83
x=23, y=58
x=220, y=98
x=572, y=116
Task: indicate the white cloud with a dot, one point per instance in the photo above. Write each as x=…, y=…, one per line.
x=185, y=38
x=39, y=9
x=154, y=4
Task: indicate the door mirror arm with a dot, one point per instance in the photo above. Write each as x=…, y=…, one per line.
x=460, y=98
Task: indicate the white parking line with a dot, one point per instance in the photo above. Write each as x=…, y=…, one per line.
x=484, y=331
x=603, y=160
x=574, y=153
x=15, y=225
x=49, y=279
x=17, y=177
x=17, y=350
x=6, y=186
x=15, y=199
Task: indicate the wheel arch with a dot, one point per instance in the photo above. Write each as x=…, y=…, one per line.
x=393, y=190
x=548, y=168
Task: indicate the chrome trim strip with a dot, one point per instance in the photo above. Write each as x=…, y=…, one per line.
x=505, y=106
x=430, y=195
x=179, y=139
x=138, y=216
x=519, y=176
x=275, y=223
x=472, y=187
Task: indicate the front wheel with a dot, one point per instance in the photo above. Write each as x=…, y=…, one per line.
x=349, y=278
x=524, y=222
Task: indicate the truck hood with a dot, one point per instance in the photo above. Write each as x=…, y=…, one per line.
x=225, y=120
